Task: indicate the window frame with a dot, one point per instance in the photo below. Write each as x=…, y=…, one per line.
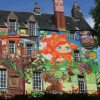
x=77, y=56
x=32, y=28
x=73, y=35
x=82, y=84
x=4, y=80
x=14, y=48
x=12, y=25
x=38, y=86
x=29, y=49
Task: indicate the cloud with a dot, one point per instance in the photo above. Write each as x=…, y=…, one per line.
x=90, y=21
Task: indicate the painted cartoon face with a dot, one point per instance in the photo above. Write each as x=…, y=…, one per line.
x=58, y=47
x=63, y=48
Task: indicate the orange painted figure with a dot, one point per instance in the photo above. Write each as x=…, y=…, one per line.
x=58, y=47
x=56, y=83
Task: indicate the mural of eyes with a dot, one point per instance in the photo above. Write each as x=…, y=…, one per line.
x=59, y=48
x=67, y=48
x=63, y=49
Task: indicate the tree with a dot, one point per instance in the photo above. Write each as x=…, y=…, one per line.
x=96, y=16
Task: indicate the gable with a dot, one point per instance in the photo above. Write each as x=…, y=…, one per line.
x=31, y=18
x=12, y=15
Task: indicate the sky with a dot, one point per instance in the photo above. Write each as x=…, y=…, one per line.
x=46, y=6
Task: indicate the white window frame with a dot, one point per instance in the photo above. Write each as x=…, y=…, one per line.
x=82, y=84
x=32, y=28
x=12, y=25
x=13, y=47
x=77, y=55
x=37, y=81
x=29, y=50
x=3, y=79
x=73, y=35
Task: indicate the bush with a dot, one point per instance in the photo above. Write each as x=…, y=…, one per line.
x=64, y=96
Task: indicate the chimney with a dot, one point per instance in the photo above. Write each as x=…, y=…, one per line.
x=36, y=9
x=59, y=15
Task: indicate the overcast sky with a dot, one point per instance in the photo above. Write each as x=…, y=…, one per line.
x=46, y=6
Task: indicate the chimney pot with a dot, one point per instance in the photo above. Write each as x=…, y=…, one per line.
x=36, y=9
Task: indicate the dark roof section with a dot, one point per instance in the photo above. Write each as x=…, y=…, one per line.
x=3, y=17
x=45, y=21
x=22, y=18
x=69, y=23
x=82, y=24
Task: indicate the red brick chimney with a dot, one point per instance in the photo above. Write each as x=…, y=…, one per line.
x=59, y=15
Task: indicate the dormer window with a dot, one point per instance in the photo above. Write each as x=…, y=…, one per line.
x=32, y=28
x=12, y=25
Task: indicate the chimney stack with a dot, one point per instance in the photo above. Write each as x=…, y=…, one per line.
x=36, y=9
x=59, y=15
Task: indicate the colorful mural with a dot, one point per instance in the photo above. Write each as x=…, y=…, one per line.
x=23, y=32
x=59, y=51
x=3, y=31
x=60, y=58
x=58, y=48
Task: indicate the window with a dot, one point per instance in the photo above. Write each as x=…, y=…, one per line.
x=72, y=35
x=12, y=25
x=29, y=48
x=11, y=46
x=37, y=81
x=3, y=79
x=82, y=84
x=32, y=28
x=77, y=55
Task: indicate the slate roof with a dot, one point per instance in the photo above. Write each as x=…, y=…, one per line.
x=45, y=21
x=3, y=17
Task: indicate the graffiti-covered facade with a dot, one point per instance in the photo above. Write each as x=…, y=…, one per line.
x=17, y=50
x=67, y=54
x=47, y=52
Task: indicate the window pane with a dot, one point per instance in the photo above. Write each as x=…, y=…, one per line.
x=32, y=28
x=72, y=35
x=3, y=79
x=82, y=84
x=12, y=25
x=77, y=55
x=29, y=49
x=37, y=81
x=11, y=46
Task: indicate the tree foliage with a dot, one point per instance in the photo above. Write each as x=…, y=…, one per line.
x=96, y=16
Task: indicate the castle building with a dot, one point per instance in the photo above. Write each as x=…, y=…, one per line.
x=47, y=52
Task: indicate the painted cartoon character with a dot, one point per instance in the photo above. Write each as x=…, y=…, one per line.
x=56, y=83
x=58, y=48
